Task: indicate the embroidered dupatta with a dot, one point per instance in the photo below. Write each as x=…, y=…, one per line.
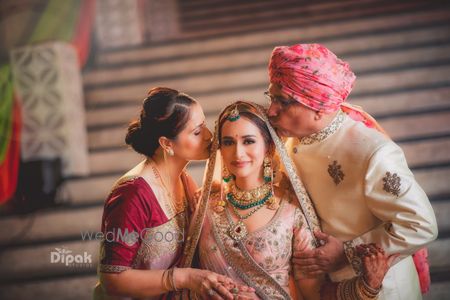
x=238, y=257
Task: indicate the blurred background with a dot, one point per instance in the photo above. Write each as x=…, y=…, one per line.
x=73, y=73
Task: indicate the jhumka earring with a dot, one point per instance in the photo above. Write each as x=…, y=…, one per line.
x=226, y=176
x=268, y=173
x=272, y=203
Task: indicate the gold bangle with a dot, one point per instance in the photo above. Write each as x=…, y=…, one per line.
x=172, y=280
x=365, y=291
x=164, y=280
x=370, y=289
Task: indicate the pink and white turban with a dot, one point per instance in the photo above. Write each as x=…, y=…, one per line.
x=312, y=75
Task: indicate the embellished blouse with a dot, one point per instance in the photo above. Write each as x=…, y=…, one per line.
x=141, y=228
x=269, y=247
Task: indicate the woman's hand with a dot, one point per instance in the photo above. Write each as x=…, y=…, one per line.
x=375, y=263
x=210, y=285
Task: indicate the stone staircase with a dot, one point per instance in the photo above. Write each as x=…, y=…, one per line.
x=400, y=52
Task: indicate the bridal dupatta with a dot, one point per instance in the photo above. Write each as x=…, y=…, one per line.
x=238, y=257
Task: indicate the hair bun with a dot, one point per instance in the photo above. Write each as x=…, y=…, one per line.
x=134, y=134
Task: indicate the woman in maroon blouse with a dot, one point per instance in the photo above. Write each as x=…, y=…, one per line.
x=147, y=211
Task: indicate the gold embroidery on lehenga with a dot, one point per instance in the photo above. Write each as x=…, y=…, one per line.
x=392, y=183
x=335, y=171
x=242, y=262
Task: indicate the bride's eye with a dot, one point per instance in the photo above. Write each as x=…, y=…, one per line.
x=197, y=133
x=249, y=141
x=227, y=142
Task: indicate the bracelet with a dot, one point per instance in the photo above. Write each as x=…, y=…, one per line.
x=356, y=289
x=365, y=291
x=370, y=289
x=172, y=280
x=165, y=283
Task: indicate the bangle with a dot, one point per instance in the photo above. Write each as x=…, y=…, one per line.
x=171, y=280
x=369, y=288
x=165, y=283
x=366, y=291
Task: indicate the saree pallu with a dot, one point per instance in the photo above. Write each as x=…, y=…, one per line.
x=138, y=206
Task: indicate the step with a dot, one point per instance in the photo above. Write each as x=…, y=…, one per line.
x=438, y=291
x=37, y=262
x=113, y=161
x=370, y=82
x=81, y=287
x=292, y=19
x=418, y=153
x=40, y=226
x=74, y=223
x=377, y=105
x=67, y=288
x=400, y=52
x=398, y=127
x=94, y=190
x=323, y=32
x=295, y=14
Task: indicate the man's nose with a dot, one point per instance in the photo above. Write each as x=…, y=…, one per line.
x=273, y=110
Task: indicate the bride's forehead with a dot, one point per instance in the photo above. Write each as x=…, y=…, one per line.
x=240, y=127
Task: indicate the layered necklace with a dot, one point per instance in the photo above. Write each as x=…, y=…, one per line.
x=241, y=200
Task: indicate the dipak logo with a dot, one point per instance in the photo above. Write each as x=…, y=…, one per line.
x=65, y=256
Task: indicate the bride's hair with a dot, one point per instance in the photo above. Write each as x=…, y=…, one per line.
x=246, y=110
x=165, y=112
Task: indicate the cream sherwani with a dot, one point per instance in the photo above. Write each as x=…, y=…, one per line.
x=364, y=192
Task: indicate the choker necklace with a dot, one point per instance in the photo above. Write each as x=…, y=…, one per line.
x=247, y=199
x=249, y=196
x=257, y=202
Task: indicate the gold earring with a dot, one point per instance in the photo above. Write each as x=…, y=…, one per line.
x=268, y=173
x=170, y=152
x=226, y=176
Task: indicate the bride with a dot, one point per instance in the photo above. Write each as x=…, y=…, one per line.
x=248, y=226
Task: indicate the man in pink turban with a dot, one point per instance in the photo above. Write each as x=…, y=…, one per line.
x=356, y=176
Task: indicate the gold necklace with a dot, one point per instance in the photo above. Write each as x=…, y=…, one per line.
x=238, y=231
x=178, y=206
x=245, y=197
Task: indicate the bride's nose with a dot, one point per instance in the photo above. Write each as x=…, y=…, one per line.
x=239, y=150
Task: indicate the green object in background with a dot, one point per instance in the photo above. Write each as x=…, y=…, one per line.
x=6, y=104
x=57, y=22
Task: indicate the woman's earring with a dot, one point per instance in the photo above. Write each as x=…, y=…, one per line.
x=226, y=176
x=268, y=173
x=170, y=152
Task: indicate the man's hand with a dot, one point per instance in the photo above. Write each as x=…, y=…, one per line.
x=327, y=258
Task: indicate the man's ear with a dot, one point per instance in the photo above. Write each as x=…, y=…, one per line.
x=165, y=143
x=318, y=115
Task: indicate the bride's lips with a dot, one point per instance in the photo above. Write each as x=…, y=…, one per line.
x=240, y=164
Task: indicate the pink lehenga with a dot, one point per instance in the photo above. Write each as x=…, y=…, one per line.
x=262, y=259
